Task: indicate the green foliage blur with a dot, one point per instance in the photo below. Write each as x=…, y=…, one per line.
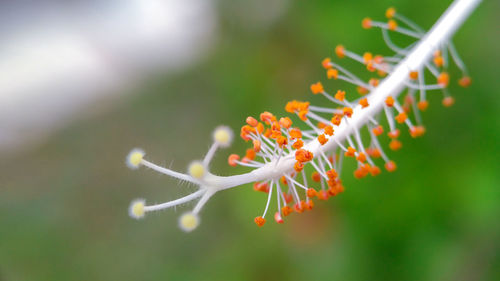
x=63, y=206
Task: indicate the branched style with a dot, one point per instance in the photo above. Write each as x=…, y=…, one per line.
x=325, y=135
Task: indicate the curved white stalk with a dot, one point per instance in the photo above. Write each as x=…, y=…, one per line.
x=444, y=28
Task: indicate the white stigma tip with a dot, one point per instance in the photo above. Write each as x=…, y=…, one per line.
x=196, y=170
x=188, y=222
x=134, y=158
x=223, y=136
x=136, y=209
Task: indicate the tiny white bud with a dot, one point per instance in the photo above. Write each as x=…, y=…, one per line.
x=223, y=136
x=134, y=158
x=196, y=169
x=189, y=221
x=136, y=209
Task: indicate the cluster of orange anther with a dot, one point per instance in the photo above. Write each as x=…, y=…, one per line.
x=322, y=139
x=389, y=101
x=395, y=144
x=373, y=152
x=326, y=63
x=340, y=51
x=377, y=131
x=414, y=75
x=448, y=101
x=260, y=221
x=332, y=73
x=362, y=90
x=231, y=160
x=336, y=119
x=347, y=111
x=366, y=23
x=393, y=134
x=465, y=81
x=390, y=12
x=363, y=102
x=328, y=130
x=303, y=155
x=340, y=95
x=422, y=105
x=401, y=117
x=390, y=166
x=362, y=171
x=374, y=82
x=351, y=152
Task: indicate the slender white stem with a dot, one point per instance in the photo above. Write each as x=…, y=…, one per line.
x=173, y=203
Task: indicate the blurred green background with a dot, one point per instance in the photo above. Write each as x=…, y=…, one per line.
x=63, y=206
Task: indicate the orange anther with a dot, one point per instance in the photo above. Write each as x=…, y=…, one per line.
x=362, y=90
x=340, y=95
x=317, y=88
x=392, y=25
x=326, y=63
x=252, y=121
x=360, y=173
x=322, y=195
x=367, y=57
x=390, y=166
x=295, y=133
x=278, y=218
x=374, y=171
x=328, y=130
x=332, y=73
x=339, y=51
x=316, y=176
x=282, y=140
x=414, y=75
x=267, y=117
x=322, y=139
x=291, y=106
x=381, y=73
x=260, y=221
x=284, y=181
x=250, y=154
x=390, y=12
x=285, y=122
x=374, y=82
x=361, y=157
x=464, y=81
x=311, y=192
x=363, y=102
x=303, y=115
x=366, y=23
x=393, y=134
x=443, y=79
x=309, y=205
x=231, y=160
x=303, y=155
x=378, y=130
x=350, y=152
x=373, y=152
x=298, y=166
x=448, y=101
x=422, y=105
x=417, y=131
x=256, y=145
x=261, y=186
x=347, y=111
x=260, y=128
x=286, y=211
x=401, y=117
x=438, y=61
x=298, y=144
x=336, y=119
x=321, y=125
x=288, y=197
x=395, y=144
x=378, y=59
x=389, y=101
x=331, y=174
x=298, y=207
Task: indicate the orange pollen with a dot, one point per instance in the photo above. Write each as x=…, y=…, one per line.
x=401, y=117
x=336, y=119
x=326, y=63
x=322, y=139
x=321, y=125
x=378, y=59
x=417, y=131
x=438, y=61
x=278, y=218
x=316, y=176
x=298, y=144
x=370, y=67
x=395, y=144
x=303, y=115
x=362, y=90
x=282, y=140
x=363, y=102
x=390, y=166
x=414, y=75
x=260, y=128
x=347, y=111
x=323, y=195
x=392, y=25
x=298, y=166
x=393, y=134
x=443, y=79
x=295, y=133
x=340, y=95
x=390, y=12
x=303, y=155
x=252, y=121
x=260, y=221
x=448, y=101
x=231, y=160
x=331, y=174
x=332, y=73
x=298, y=207
x=374, y=171
x=339, y=51
x=329, y=130
x=464, y=81
x=378, y=130
x=367, y=57
x=256, y=145
x=309, y=205
x=285, y=122
x=350, y=152
x=389, y=101
x=267, y=117
x=366, y=23
x=311, y=192
x=250, y=154
x=286, y=211
x=422, y=105
x=374, y=82
x=317, y=88
x=262, y=187
x=361, y=157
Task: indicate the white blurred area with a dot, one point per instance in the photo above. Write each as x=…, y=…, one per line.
x=61, y=58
